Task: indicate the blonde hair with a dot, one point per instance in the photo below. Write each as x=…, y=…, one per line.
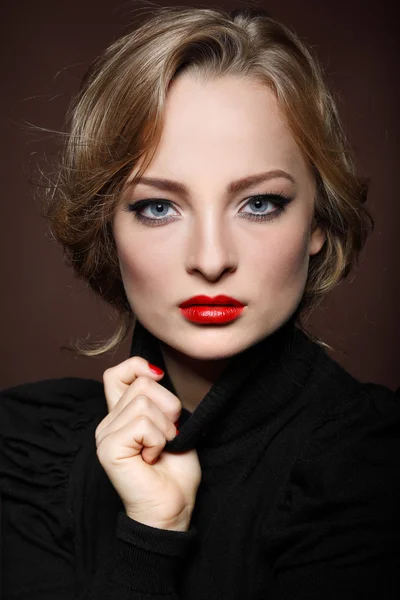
x=116, y=122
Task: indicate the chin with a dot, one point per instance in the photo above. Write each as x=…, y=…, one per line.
x=218, y=344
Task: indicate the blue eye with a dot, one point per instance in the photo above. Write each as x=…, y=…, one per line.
x=266, y=207
x=158, y=208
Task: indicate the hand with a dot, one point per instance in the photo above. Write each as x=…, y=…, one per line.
x=156, y=488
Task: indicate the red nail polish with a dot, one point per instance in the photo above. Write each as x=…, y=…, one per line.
x=176, y=427
x=155, y=369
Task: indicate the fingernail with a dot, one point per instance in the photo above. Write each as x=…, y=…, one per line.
x=155, y=369
x=176, y=427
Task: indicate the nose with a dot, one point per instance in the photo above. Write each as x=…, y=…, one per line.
x=210, y=249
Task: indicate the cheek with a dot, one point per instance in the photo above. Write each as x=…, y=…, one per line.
x=142, y=266
x=283, y=258
x=134, y=265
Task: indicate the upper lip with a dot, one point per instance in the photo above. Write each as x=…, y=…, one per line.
x=220, y=300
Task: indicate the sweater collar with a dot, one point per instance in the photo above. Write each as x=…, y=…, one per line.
x=255, y=385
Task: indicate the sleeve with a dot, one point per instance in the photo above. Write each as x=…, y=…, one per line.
x=144, y=566
x=338, y=531
x=42, y=428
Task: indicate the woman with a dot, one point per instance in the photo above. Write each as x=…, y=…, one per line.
x=208, y=194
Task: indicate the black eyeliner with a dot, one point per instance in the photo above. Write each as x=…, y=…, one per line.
x=280, y=200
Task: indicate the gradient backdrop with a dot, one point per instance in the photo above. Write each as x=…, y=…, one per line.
x=47, y=46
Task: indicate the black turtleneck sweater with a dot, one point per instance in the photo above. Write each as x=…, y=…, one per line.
x=299, y=498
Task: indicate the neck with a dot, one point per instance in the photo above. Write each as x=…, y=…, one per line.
x=191, y=378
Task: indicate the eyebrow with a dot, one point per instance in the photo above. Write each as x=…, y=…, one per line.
x=234, y=187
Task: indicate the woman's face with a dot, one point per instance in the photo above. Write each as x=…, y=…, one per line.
x=216, y=238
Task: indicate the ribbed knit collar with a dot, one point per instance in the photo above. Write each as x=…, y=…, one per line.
x=256, y=384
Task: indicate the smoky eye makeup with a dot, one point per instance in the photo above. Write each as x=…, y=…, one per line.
x=160, y=211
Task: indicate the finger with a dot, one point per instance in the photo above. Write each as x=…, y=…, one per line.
x=138, y=408
x=139, y=437
x=117, y=379
x=163, y=398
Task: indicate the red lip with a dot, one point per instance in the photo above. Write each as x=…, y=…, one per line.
x=220, y=300
x=209, y=314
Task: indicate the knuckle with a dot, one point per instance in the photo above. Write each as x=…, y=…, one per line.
x=163, y=440
x=176, y=405
x=144, y=428
x=143, y=384
x=108, y=374
x=143, y=422
x=108, y=448
x=142, y=402
x=102, y=453
x=171, y=432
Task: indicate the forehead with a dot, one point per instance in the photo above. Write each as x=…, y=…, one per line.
x=226, y=127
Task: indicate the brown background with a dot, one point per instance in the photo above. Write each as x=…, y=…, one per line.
x=46, y=47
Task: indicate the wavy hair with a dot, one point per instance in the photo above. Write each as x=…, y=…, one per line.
x=115, y=124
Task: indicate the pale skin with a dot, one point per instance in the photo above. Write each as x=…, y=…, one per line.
x=202, y=240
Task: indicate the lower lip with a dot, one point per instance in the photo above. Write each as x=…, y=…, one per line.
x=212, y=314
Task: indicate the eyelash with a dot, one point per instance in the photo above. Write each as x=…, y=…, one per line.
x=279, y=200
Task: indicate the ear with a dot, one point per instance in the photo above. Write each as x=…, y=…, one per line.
x=317, y=239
